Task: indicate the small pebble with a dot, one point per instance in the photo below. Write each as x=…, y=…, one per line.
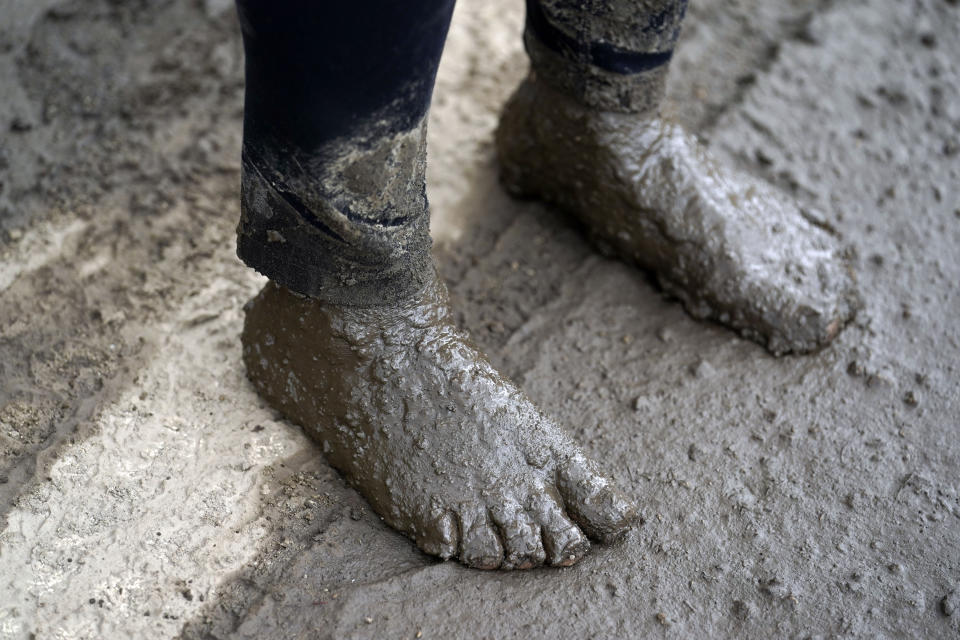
x=741, y=609
x=950, y=603
x=856, y=369
x=880, y=379
x=702, y=369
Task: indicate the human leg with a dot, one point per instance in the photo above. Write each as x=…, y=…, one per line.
x=584, y=132
x=354, y=339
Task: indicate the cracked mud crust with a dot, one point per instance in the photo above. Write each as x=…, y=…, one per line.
x=727, y=245
x=445, y=449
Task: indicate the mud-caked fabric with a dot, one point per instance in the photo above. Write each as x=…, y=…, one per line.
x=608, y=54
x=333, y=195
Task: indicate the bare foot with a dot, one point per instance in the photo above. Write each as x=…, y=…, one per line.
x=444, y=448
x=727, y=245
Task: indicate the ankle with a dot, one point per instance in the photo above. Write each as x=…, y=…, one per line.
x=604, y=61
x=594, y=88
x=423, y=305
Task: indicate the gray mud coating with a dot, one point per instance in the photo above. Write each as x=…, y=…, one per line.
x=793, y=497
x=445, y=449
x=649, y=26
x=639, y=93
x=726, y=244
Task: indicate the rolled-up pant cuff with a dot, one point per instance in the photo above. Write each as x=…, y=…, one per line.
x=325, y=232
x=613, y=57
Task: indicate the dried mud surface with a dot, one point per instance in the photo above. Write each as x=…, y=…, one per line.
x=146, y=491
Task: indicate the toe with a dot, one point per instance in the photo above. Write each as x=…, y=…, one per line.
x=563, y=541
x=522, y=546
x=603, y=512
x=480, y=547
x=440, y=536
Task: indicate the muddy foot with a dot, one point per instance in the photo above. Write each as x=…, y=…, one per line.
x=727, y=245
x=444, y=448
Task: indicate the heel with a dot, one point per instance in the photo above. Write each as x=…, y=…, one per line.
x=518, y=152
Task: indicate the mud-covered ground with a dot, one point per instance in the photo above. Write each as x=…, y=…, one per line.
x=146, y=492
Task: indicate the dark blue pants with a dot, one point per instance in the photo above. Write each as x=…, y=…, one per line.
x=317, y=69
x=333, y=202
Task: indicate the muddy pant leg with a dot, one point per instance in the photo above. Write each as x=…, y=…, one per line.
x=333, y=171
x=608, y=54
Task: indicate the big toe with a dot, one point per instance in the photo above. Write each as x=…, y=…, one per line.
x=807, y=301
x=599, y=508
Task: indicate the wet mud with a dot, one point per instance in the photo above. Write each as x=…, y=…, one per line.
x=798, y=496
x=446, y=450
x=727, y=245
x=614, y=56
